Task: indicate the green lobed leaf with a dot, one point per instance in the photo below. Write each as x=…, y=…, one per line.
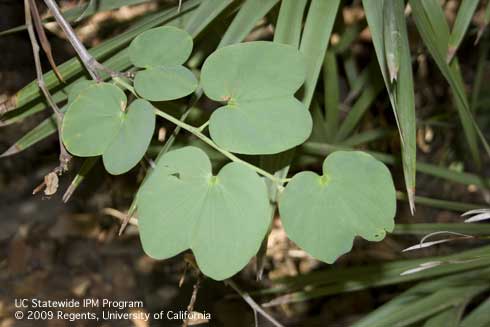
x=161, y=46
x=97, y=122
x=354, y=196
x=134, y=136
x=257, y=80
x=165, y=83
x=221, y=218
x=161, y=52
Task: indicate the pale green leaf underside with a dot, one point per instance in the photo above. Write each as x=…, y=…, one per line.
x=354, y=197
x=93, y=119
x=165, y=83
x=76, y=89
x=261, y=126
x=132, y=140
x=161, y=46
x=162, y=51
x=98, y=123
x=258, y=81
x=222, y=219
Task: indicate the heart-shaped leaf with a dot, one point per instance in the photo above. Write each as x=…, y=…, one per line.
x=161, y=52
x=165, y=83
x=354, y=196
x=97, y=122
x=258, y=81
x=76, y=89
x=222, y=219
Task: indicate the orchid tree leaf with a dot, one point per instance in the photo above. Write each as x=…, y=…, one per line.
x=97, y=122
x=165, y=83
x=355, y=196
x=222, y=218
x=133, y=138
x=161, y=52
x=257, y=81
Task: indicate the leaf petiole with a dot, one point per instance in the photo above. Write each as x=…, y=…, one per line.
x=197, y=132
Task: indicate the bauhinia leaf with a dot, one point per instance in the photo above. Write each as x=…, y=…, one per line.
x=161, y=52
x=97, y=122
x=222, y=218
x=257, y=81
x=354, y=196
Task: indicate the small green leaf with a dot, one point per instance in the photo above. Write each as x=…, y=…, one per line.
x=162, y=51
x=354, y=196
x=93, y=119
x=132, y=140
x=161, y=46
x=257, y=80
x=76, y=89
x=221, y=218
x=98, y=123
x=165, y=83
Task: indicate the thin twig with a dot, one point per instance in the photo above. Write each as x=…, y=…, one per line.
x=64, y=157
x=251, y=302
x=90, y=63
x=38, y=25
x=192, y=302
x=87, y=59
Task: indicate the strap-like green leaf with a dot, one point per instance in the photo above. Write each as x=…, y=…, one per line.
x=401, y=92
x=463, y=20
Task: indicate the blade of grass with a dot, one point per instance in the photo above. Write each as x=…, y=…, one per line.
x=45, y=129
x=245, y=20
x=486, y=21
x=463, y=19
x=341, y=280
x=441, y=204
x=480, y=73
x=331, y=94
x=419, y=292
x=433, y=40
x=205, y=14
x=367, y=137
x=363, y=103
x=479, y=317
x=314, y=42
x=87, y=166
x=401, y=93
x=288, y=27
x=424, y=307
x=447, y=318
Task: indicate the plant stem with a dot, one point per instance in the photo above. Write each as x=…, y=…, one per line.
x=87, y=59
x=64, y=157
x=254, y=305
x=203, y=126
x=208, y=141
